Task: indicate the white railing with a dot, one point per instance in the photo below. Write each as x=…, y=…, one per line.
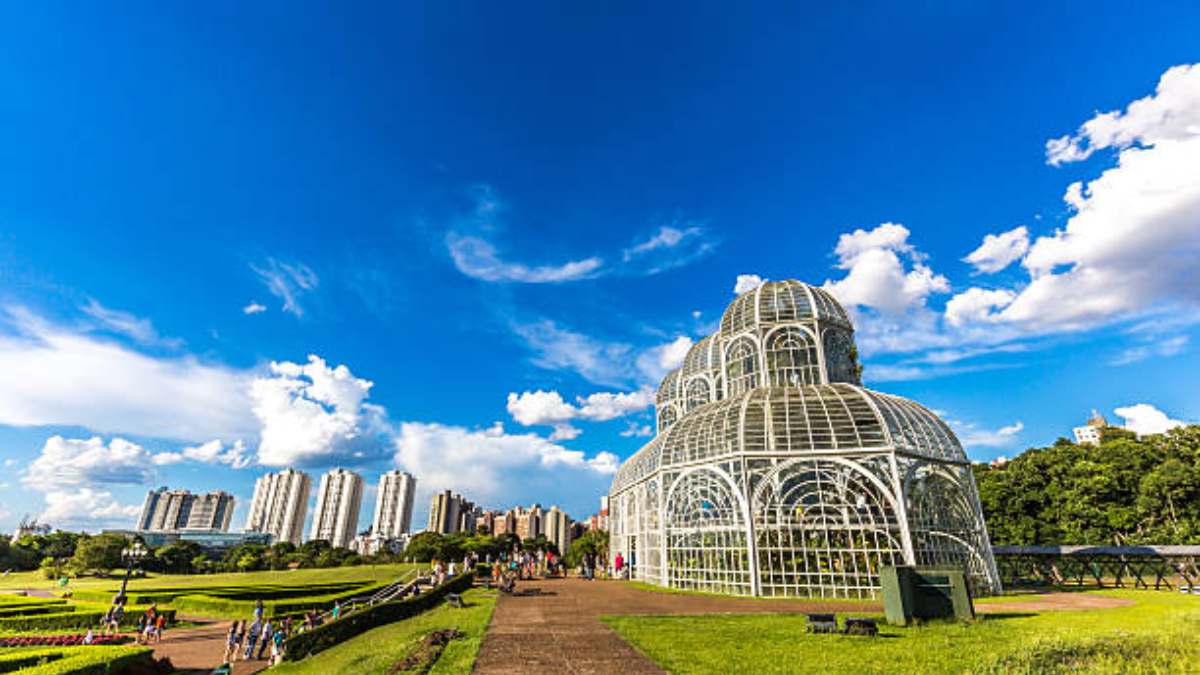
x=385, y=594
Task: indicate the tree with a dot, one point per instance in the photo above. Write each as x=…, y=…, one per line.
x=592, y=543
x=98, y=554
x=177, y=558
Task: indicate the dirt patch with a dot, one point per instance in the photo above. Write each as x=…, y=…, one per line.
x=1049, y=602
x=426, y=653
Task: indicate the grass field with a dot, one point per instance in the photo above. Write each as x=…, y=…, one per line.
x=376, y=651
x=1156, y=634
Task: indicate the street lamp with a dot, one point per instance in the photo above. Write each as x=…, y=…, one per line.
x=131, y=554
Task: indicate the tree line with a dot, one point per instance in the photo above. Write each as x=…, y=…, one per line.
x=1126, y=491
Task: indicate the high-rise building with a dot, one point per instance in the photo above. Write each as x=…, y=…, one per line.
x=450, y=513
x=338, y=500
x=486, y=522
x=280, y=504
x=504, y=523
x=557, y=528
x=394, y=505
x=1090, y=434
x=175, y=510
x=529, y=522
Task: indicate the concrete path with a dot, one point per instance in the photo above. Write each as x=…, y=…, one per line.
x=199, y=650
x=558, y=630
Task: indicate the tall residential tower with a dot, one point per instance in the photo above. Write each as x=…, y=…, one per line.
x=338, y=501
x=174, y=510
x=394, y=505
x=280, y=504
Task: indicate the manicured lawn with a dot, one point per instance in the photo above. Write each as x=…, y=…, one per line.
x=21, y=580
x=376, y=651
x=1157, y=634
x=642, y=586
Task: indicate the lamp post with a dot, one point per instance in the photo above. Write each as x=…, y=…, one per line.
x=131, y=554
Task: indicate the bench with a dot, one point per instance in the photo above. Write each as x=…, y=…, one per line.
x=455, y=600
x=822, y=623
x=861, y=626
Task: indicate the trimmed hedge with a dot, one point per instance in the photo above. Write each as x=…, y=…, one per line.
x=335, y=632
x=28, y=610
x=84, y=660
x=27, y=658
x=73, y=619
x=145, y=596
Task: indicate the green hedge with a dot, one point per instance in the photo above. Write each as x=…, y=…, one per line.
x=78, y=660
x=73, y=619
x=335, y=632
x=145, y=596
x=27, y=610
x=201, y=602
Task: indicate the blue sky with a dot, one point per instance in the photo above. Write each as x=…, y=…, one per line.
x=464, y=240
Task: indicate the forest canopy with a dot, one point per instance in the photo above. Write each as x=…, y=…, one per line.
x=1126, y=491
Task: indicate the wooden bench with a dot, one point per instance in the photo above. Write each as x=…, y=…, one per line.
x=455, y=600
x=822, y=623
x=861, y=626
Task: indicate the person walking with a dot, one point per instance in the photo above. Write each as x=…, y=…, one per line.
x=231, y=643
x=268, y=634
x=160, y=624
x=252, y=638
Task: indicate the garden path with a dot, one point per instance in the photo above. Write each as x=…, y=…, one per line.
x=559, y=630
x=199, y=650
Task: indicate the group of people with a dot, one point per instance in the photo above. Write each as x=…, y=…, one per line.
x=151, y=625
x=252, y=640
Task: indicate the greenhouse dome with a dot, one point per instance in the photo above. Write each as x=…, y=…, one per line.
x=775, y=473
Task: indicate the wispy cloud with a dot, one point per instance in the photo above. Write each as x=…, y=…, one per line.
x=289, y=282
x=477, y=258
x=254, y=308
x=138, y=329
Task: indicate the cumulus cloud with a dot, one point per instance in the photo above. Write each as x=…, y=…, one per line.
x=311, y=413
x=977, y=305
x=877, y=277
x=999, y=250
x=548, y=407
x=564, y=432
x=1143, y=418
x=661, y=359
x=477, y=258
x=972, y=436
x=50, y=375
x=289, y=282
x=213, y=452
x=503, y=466
x=1134, y=237
x=746, y=283
x=86, y=508
x=140, y=330
x=635, y=430
x=66, y=462
x=254, y=308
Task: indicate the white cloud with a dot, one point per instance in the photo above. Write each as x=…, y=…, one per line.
x=877, y=278
x=477, y=258
x=976, y=305
x=311, y=413
x=69, y=463
x=635, y=430
x=1143, y=418
x=254, y=308
x=557, y=348
x=140, y=330
x=971, y=436
x=746, y=283
x=999, y=250
x=54, y=376
x=212, y=452
x=659, y=360
x=503, y=466
x=87, y=508
x=548, y=407
x=1134, y=237
x=1168, y=347
x=287, y=281
x=564, y=432
x=669, y=247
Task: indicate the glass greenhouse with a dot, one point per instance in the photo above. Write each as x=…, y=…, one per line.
x=775, y=473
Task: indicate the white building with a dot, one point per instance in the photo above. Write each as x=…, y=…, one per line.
x=556, y=526
x=338, y=501
x=280, y=504
x=1091, y=433
x=394, y=505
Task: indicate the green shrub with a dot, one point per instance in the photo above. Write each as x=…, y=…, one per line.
x=71, y=619
x=29, y=610
x=22, y=659
x=94, y=661
x=335, y=632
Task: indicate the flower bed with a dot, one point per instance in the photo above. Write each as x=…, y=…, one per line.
x=61, y=640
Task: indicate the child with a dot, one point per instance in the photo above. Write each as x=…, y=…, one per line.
x=231, y=643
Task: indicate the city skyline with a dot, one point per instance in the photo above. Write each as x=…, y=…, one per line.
x=455, y=257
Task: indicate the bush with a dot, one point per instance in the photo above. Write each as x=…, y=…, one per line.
x=30, y=610
x=68, y=618
x=82, y=660
x=335, y=632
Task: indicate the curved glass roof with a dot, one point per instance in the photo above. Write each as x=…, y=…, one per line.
x=795, y=420
x=779, y=302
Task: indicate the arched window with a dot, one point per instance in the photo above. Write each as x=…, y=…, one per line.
x=792, y=358
x=698, y=393
x=841, y=364
x=741, y=367
x=666, y=417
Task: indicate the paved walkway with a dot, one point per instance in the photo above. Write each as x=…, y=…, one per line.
x=199, y=649
x=559, y=631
